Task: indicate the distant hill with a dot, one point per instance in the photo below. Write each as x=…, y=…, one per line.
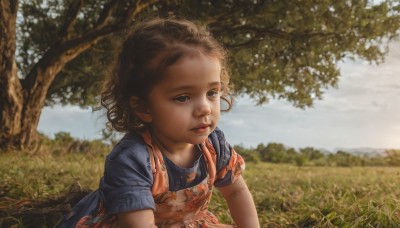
x=363, y=150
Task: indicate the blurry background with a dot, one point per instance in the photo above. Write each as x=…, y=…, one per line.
x=304, y=72
x=363, y=112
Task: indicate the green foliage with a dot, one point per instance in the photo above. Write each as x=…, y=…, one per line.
x=42, y=24
x=273, y=152
x=249, y=155
x=63, y=143
x=278, y=49
x=309, y=156
x=311, y=153
x=63, y=137
x=393, y=157
x=342, y=158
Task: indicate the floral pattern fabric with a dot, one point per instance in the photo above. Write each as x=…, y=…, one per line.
x=185, y=208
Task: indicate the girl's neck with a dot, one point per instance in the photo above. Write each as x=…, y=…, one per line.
x=181, y=154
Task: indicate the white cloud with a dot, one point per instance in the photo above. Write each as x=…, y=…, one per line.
x=82, y=123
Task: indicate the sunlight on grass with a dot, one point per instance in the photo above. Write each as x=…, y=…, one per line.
x=41, y=176
x=285, y=195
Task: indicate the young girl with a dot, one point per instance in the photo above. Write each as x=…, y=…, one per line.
x=165, y=94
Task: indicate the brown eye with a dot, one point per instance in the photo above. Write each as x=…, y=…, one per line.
x=182, y=99
x=213, y=93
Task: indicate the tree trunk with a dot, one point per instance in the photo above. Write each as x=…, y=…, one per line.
x=11, y=97
x=38, y=83
x=21, y=101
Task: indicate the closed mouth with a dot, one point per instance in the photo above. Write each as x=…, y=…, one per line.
x=203, y=126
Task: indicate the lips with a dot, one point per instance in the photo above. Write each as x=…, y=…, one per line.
x=201, y=128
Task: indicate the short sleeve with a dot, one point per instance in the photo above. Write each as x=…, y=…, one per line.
x=229, y=164
x=126, y=184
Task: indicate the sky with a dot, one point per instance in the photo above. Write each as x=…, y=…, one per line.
x=363, y=112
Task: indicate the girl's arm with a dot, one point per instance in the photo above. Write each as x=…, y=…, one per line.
x=241, y=204
x=137, y=219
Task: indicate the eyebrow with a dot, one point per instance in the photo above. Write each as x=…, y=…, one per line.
x=188, y=87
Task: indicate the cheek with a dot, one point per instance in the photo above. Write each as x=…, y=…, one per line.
x=216, y=107
x=216, y=111
x=172, y=115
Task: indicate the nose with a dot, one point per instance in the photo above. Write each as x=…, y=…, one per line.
x=202, y=107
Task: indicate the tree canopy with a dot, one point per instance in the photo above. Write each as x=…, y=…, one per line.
x=281, y=49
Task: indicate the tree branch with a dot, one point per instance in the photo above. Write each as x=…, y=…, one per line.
x=70, y=19
x=215, y=22
x=54, y=90
x=59, y=54
x=269, y=32
x=106, y=13
x=135, y=9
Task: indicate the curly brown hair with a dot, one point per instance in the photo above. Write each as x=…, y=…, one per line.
x=149, y=49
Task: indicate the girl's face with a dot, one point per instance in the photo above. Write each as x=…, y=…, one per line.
x=184, y=107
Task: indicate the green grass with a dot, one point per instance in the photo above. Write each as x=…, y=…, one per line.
x=24, y=176
x=285, y=195
x=325, y=196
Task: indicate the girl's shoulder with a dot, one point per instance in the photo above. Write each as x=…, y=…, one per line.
x=217, y=139
x=131, y=148
x=228, y=163
x=221, y=146
x=217, y=135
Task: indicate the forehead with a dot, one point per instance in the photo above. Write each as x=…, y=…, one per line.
x=194, y=70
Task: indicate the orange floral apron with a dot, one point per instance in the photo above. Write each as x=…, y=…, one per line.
x=185, y=208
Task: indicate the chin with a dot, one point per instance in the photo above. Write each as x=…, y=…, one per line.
x=199, y=140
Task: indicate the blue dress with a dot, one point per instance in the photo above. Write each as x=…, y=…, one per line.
x=128, y=177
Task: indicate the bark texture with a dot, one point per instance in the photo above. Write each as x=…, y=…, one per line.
x=11, y=96
x=22, y=100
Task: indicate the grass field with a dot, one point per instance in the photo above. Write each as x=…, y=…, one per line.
x=285, y=195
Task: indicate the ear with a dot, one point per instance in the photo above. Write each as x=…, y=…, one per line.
x=140, y=109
